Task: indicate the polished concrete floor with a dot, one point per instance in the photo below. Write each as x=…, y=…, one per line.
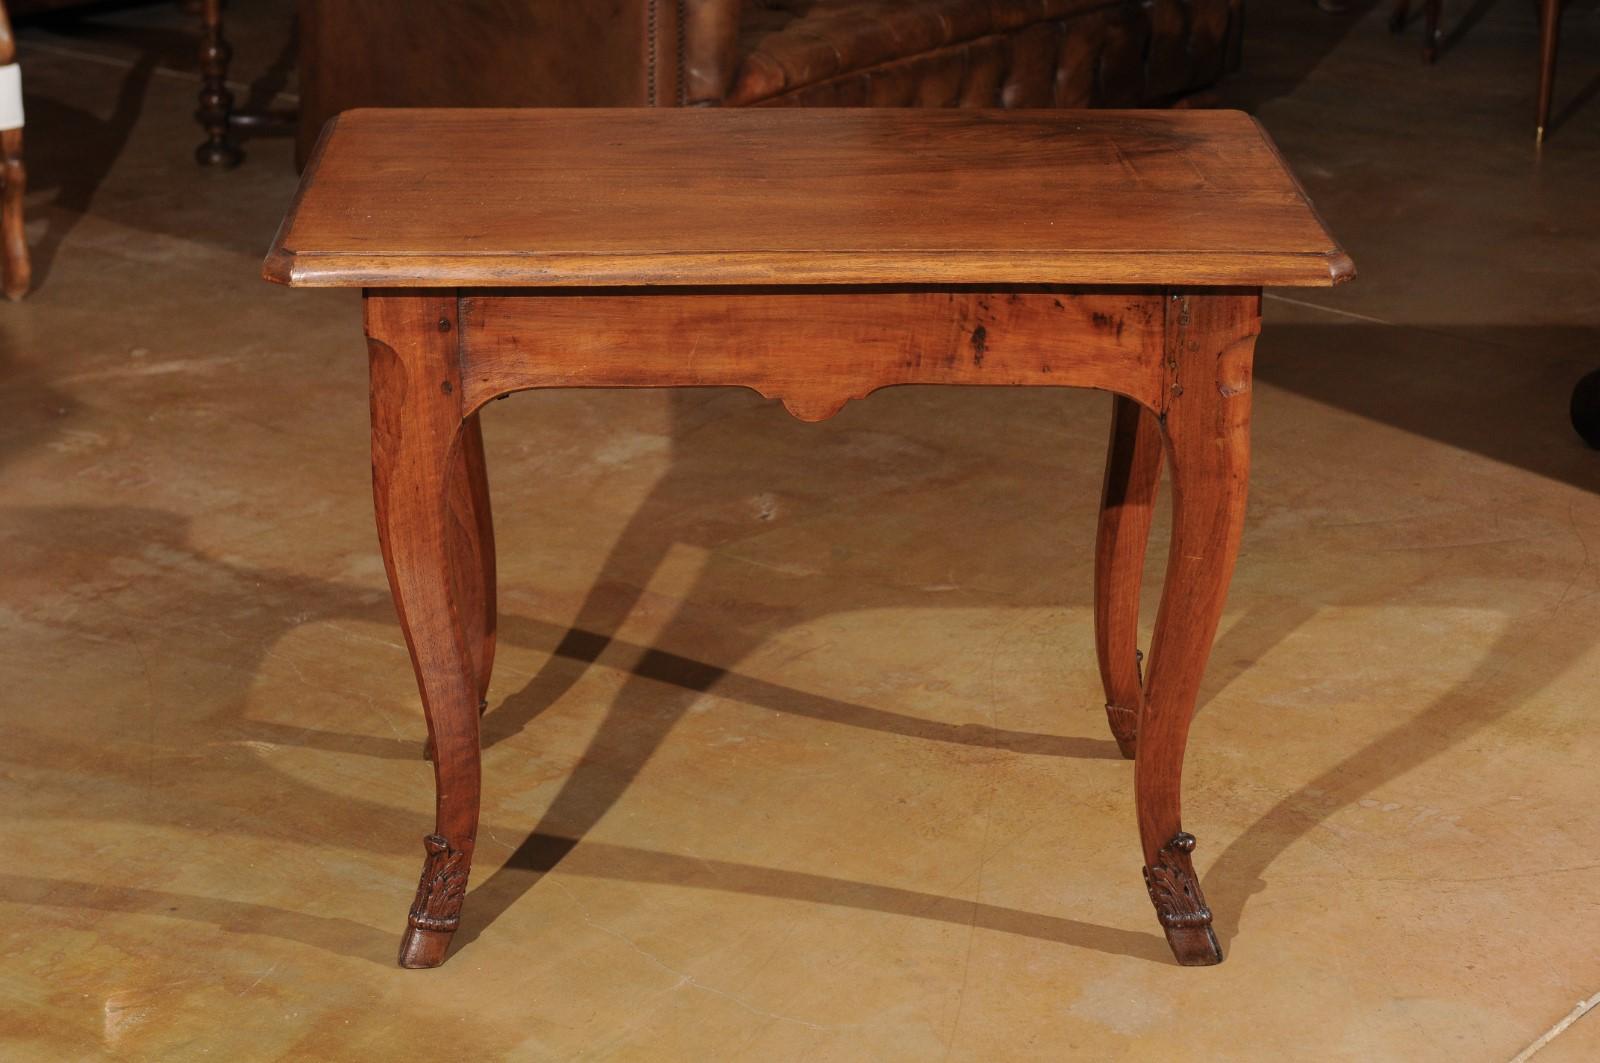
x=795, y=748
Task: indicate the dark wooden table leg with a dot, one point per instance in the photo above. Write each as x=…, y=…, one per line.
x=1549, y=35
x=216, y=101
x=18, y=270
x=421, y=451
x=1211, y=342
x=1133, y=471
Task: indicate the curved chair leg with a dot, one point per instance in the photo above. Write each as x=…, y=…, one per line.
x=475, y=574
x=13, y=183
x=17, y=271
x=1211, y=338
x=1133, y=471
x=1549, y=34
x=417, y=443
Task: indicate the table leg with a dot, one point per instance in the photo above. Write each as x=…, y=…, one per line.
x=472, y=558
x=1210, y=345
x=1133, y=470
x=420, y=454
x=474, y=569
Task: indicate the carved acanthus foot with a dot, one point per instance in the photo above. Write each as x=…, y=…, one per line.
x=1181, y=907
x=436, y=911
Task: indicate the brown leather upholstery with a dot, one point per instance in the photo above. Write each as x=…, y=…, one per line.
x=881, y=53
x=979, y=53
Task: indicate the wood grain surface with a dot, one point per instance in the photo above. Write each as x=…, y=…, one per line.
x=704, y=196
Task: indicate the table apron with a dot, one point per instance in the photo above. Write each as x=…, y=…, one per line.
x=812, y=349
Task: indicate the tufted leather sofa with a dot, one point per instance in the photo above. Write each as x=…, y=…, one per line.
x=880, y=53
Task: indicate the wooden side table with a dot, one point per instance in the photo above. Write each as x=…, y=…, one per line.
x=814, y=256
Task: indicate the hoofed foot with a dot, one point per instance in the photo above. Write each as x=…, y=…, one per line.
x=1181, y=907
x=436, y=911
x=421, y=949
x=1194, y=946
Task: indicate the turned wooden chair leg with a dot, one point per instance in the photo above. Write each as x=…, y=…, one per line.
x=17, y=272
x=417, y=454
x=1133, y=471
x=1549, y=35
x=1211, y=338
x=216, y=102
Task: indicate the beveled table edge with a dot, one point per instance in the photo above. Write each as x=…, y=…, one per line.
x=286, y=266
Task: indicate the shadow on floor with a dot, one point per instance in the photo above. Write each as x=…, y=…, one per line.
x=76, y=174
x=1498, y=391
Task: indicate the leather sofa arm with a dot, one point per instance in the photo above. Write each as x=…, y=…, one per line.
x=710, y=49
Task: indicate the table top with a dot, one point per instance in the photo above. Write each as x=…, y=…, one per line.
x=719, y=197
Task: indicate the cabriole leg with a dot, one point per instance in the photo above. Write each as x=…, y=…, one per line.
x=472, y=557
x=1210, y=346
x=474, y=569
x=1133, y=470
x=417, y=465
